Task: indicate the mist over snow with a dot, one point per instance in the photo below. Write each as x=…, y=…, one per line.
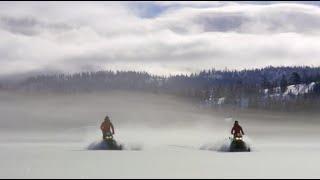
x=150, y=119
x=45, y=135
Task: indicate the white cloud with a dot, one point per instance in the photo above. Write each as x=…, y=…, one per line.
x=92, y=35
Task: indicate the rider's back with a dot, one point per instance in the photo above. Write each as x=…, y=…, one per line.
x=105, y=126
x=237, y=129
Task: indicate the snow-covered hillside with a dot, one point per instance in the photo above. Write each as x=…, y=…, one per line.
x=292, y=90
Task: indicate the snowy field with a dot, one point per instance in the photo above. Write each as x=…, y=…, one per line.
x=46, y=136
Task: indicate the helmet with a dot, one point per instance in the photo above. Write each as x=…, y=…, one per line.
x=107, y=118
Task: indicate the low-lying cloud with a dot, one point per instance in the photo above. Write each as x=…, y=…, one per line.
x=177, y=38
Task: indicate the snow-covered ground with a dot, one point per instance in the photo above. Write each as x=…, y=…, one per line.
x=71, y=160
x=58, y=161
x=47, y=137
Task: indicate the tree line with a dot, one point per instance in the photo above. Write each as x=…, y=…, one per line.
x=235, y=86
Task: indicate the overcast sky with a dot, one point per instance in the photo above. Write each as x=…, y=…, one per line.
x=157, y=37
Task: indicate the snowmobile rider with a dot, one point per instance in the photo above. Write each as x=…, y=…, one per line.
x=107, y=127
x=237, y=130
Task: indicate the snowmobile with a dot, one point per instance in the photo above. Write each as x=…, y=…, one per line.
x=110, y=144
x=238, y=144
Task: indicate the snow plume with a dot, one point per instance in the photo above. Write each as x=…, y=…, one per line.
x=224, y=145
x=102, y=145
x=220, y=146
x=93, y=142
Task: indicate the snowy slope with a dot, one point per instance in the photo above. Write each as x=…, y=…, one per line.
x=300, y=89
x=292, y=90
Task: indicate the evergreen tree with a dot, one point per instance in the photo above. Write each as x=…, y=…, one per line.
x=295, y=78
x=283, y=84
x=265, y=83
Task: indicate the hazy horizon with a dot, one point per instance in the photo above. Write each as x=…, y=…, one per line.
x=26, y=75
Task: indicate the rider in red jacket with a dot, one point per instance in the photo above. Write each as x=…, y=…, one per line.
x=107, y=127
x=237, y=130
